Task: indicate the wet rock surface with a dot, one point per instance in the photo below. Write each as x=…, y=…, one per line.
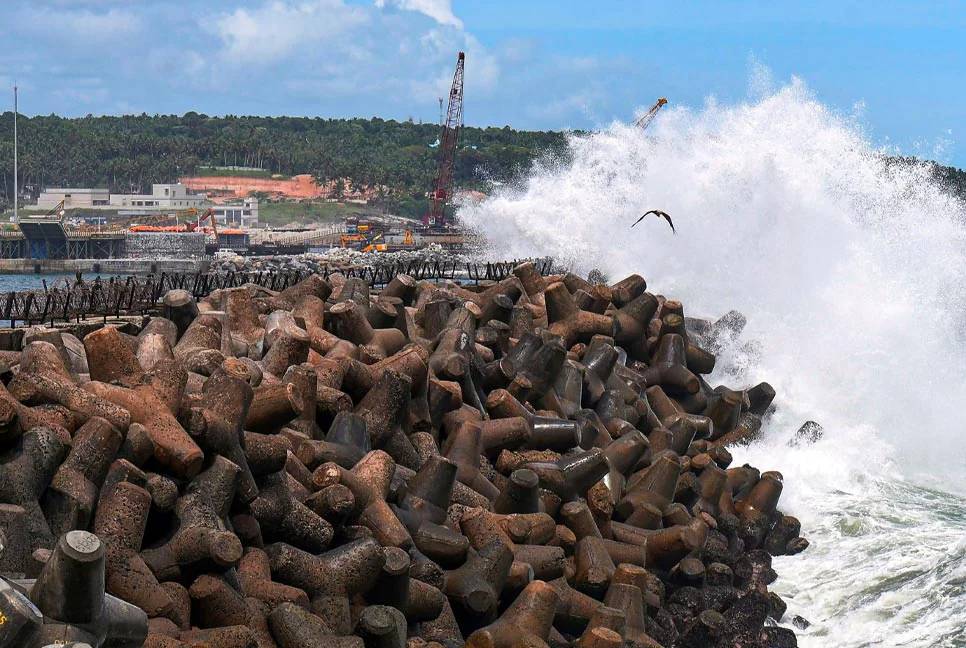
x=538, y=461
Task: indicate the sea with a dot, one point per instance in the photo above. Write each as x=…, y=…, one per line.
x=23, y=282
x=850, y=267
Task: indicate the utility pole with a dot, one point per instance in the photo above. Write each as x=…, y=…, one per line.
x=16, y=189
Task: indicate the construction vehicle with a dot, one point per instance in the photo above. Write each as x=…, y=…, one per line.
x=448, y=138
x=364, y=238
x=210, y=216
x=649, y=116
x=348, y=240
x=375, y=247
x=356, y=225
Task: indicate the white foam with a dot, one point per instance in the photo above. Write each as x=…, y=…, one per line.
x=852, y=274
x=849, y=270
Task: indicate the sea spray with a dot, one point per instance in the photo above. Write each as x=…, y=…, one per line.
x=851, y=270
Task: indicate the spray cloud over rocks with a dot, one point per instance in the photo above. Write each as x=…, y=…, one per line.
x=847, y=266
x=849, y=269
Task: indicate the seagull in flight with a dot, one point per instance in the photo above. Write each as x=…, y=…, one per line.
x=657, y=212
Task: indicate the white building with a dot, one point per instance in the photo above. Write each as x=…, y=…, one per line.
x=244, y=214
x=163, y=197
x=74, y=198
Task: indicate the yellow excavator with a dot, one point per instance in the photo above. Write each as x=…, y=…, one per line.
x=375, y=247
x=363, y=239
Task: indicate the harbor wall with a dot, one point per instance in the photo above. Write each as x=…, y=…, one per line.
x=163, y=245
x=105, y=266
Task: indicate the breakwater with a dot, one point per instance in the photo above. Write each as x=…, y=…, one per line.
x=534, y=461
x=66, y=298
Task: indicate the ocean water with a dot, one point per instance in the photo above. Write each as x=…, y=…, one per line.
x=851, y=271
x=24, y=282
x=19, y=282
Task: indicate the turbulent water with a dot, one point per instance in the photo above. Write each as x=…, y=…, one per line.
x=852, y=273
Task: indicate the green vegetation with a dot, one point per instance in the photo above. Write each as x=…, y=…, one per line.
x=131, y=152
x=277, y=214
x=239, y=173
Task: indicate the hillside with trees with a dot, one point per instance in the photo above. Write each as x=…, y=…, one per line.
x=128, y=153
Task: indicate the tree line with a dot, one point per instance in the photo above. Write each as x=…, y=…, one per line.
x=129, y=153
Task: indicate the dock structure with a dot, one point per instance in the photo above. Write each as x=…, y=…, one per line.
x=46, y=238
x=49, y=243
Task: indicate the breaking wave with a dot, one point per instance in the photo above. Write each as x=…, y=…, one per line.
x=850, y=267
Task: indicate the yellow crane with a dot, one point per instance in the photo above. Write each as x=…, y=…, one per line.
x=648, y=117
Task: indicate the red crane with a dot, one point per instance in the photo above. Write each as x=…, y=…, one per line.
x=436, y=215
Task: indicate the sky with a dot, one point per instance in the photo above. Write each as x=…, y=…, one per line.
x=533, y=64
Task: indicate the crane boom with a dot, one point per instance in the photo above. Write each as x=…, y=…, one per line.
x=447, y=150
x=648, y=117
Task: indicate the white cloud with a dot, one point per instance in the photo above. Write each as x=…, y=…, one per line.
x=439, y=10
x=277, y=29
x=89, y=91
x=440, y=46
x=517, y=50
x=486, y=69
x=84, y=4
x=84, y=24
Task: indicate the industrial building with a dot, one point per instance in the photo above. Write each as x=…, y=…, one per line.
x=74, y=198
x=243, y=214
x=162, y=197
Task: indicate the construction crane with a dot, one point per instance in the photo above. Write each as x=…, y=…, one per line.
x=648, y=117
x=436, y=216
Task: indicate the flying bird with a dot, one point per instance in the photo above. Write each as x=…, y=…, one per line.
x=657, y=212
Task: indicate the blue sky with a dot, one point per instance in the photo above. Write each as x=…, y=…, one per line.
x=530, y=63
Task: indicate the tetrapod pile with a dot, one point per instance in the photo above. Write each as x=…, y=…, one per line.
x=535, y=462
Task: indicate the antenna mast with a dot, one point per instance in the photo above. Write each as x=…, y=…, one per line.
x=16, y=188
